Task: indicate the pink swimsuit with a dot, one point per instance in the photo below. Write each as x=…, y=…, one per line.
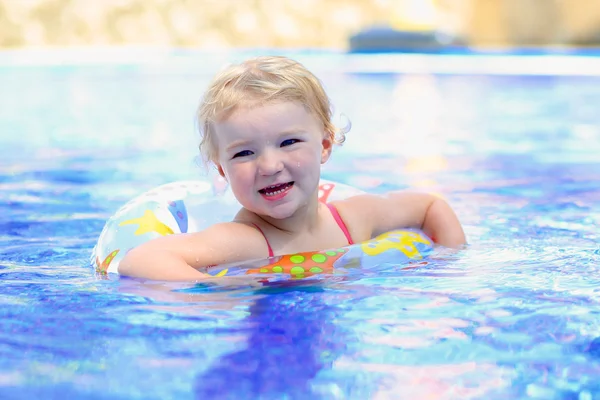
x=336, y=216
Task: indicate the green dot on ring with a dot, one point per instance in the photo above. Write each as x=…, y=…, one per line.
x=319, y=258
x=331, y=253
x=277, y=269
x=297, y=270
x=316, y=270
x=297, y=259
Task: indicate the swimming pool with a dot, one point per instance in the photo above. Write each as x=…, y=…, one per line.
x=516, y=315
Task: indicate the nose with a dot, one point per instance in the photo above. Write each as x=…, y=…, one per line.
x=270, y=163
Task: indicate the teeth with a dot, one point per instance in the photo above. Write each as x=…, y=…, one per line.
x=268, y=192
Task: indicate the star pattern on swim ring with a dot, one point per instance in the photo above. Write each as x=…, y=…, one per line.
x=301, y=265
x=404, y=241
x=102, y=267
x=148, y=223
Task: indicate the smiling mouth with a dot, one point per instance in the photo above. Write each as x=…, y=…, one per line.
x=276, y=189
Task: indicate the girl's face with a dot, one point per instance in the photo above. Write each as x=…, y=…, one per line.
x=271, y=155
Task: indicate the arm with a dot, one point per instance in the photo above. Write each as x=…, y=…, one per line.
x=442, y=225
x=178, y=257
x=397, y=210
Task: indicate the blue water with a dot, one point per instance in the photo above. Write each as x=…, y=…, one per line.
x=515, y=315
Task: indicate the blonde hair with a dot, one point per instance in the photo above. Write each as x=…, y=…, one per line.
x=257, y=81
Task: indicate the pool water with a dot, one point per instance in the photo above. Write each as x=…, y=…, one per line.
x=514, y=315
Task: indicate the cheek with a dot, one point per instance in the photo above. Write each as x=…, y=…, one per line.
x=307, y=157
x=239, y=173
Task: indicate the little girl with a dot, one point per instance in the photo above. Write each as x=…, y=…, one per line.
x=266, y=126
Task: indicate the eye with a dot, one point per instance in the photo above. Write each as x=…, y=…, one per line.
x=243, y=153
x=289, y=142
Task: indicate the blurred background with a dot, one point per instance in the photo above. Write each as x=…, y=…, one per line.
x=217, y=24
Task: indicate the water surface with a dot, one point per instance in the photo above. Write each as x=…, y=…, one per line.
x=515, y=315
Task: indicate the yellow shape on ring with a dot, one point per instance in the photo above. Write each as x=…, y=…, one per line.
x=148, y=223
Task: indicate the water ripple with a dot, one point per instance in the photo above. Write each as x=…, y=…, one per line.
x=512, y=315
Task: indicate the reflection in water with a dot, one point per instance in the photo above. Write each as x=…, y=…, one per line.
x=292, y=337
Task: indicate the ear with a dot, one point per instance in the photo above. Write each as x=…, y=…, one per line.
x=221, y=172
x=327, y=144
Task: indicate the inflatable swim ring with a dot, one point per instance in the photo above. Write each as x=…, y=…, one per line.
x=190, y=206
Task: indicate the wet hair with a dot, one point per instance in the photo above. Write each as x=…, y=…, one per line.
x=259, y=81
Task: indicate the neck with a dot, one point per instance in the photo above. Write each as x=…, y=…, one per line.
x=305, y=219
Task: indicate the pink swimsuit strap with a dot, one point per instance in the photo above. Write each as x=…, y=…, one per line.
x=336, y=216
x=271, y=255
x=340, y=222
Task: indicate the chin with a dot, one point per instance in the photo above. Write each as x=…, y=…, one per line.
x=281, y=212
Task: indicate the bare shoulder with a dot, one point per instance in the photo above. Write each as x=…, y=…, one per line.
x=368, y=215
x=356, y=212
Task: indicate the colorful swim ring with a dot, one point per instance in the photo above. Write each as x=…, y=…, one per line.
x=190, y=206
